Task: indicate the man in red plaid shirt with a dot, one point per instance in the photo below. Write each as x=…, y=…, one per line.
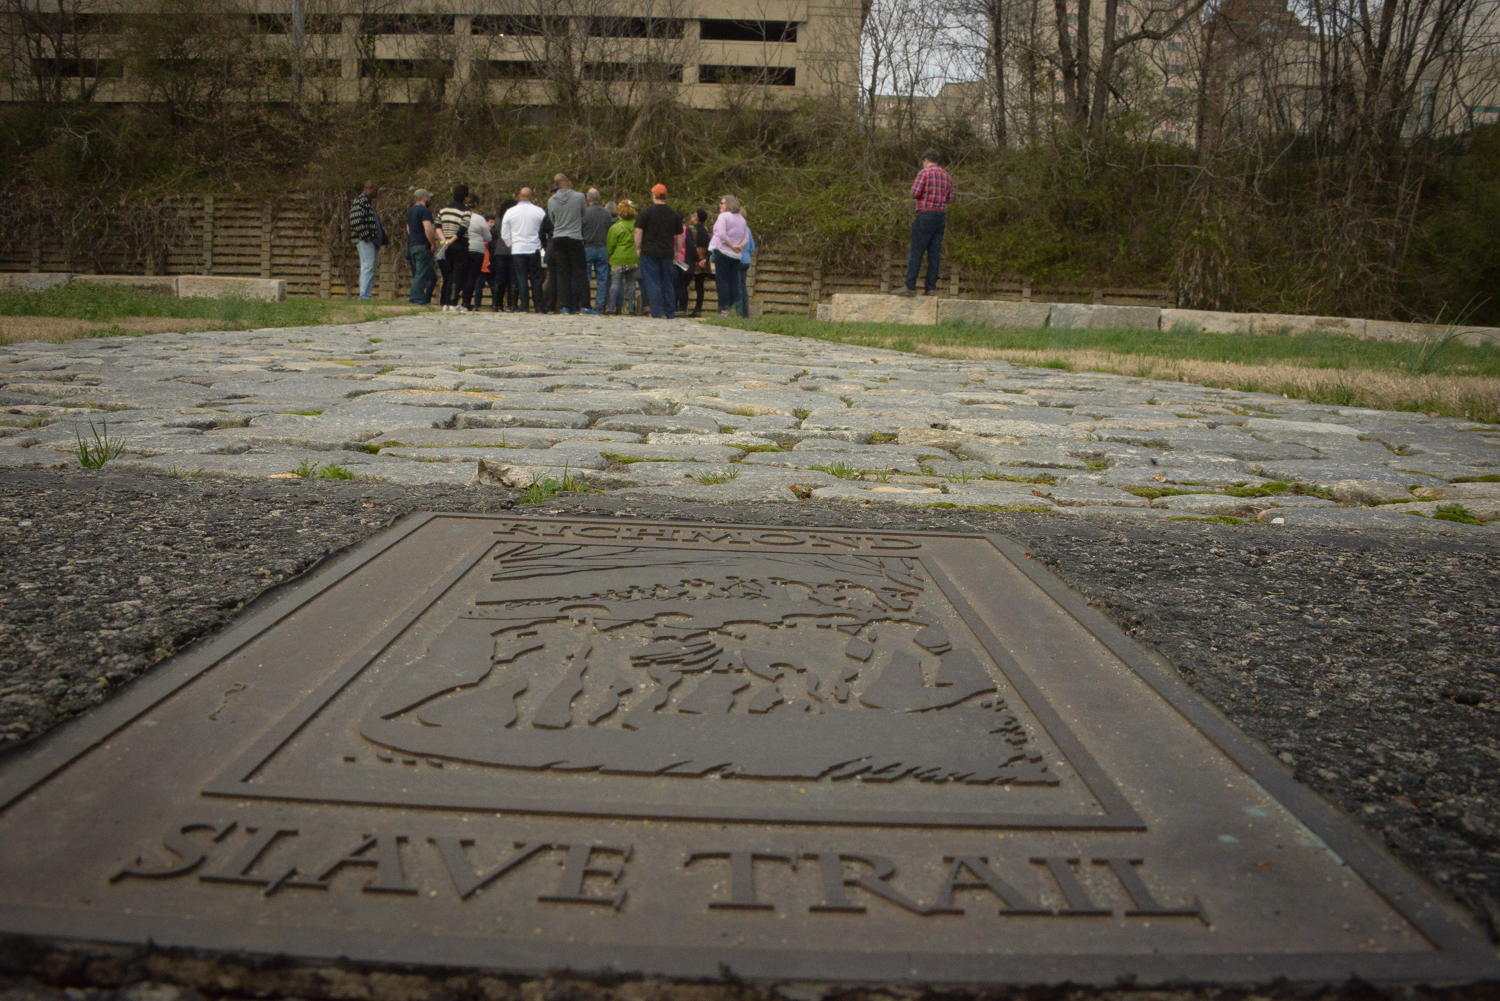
x=933, y=190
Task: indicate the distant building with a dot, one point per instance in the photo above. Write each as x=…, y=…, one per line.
x=701, y=54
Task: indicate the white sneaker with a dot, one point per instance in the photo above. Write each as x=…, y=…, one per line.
x=447, y=309
x=460, y=309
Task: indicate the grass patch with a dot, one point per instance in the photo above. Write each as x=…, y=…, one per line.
x=842, y=470
x=99, y=448
x=709, y=479
x=628, y=459
x=802, y=415
x=1487, y=478
x=760, y=448
x=335, y=473
x=1046, y=479
x=1461, y=381
x=881, y=438
x=1264, y=490
x=547, y=488
x=301, y=413
x=1456, y=512
x=1152, y=493
x=77, y=309
x=305, y=469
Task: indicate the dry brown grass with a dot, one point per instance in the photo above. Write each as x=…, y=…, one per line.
x=16, y=329
x=1472, y=397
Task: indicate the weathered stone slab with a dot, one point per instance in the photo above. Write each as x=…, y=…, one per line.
x=691, y=423
x=796, y=755
x=885, y=309
x=524, y=419
x=1066, y=315
x=1204, y=321
x=164, y=284
x=1021, y=315
x=34, y=281
x=1285, y=323
x=1392, y=330
x=222, y=287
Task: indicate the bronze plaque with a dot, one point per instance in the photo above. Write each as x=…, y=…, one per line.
x=683, y=749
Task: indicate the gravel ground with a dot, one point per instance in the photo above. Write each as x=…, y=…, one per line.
x=1367, y=661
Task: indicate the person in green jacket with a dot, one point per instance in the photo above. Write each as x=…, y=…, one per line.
x=624, y=264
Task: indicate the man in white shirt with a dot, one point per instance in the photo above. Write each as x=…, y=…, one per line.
x=520, y=229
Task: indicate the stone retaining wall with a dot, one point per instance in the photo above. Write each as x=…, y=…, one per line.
x=931, y=310
x=198, y=286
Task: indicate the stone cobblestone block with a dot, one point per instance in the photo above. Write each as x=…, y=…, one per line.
x=224, y=287
x=983, y=313
x=849, y=308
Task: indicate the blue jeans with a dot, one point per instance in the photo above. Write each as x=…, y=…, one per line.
x=623, y=281
x=727, y=277
x=926, y=238
x=423, y=275
x=369, y=260
x=659, y=278
x=598, y=272
x=744, y=289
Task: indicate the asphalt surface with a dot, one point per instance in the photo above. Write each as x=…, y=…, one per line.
x=1366, y=660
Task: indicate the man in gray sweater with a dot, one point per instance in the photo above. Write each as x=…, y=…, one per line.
x=596, y=223
x=567, y=261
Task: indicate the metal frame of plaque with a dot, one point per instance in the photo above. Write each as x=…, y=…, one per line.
x=660, y=748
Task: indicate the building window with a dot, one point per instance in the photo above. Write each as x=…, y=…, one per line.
x=711, y=30
x=512, y=69
x=500, y=25
x=407, y=24
x=1176, y=47
x=281, y=24
x=636, y=27
x=79, y=69
x=767, y=76
x=310, y=67
x=406, y=69
x=659, y=72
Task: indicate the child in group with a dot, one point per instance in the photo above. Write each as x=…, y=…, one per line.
x=624, y=263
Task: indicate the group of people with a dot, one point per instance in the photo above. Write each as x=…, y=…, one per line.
x=530, y=257
x=544, y=259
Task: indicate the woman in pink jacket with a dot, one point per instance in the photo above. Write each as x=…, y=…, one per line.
x=725, y=246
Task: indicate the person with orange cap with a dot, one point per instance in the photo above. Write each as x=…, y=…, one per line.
x=658, y=241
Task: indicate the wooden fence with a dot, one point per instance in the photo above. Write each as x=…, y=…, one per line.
x=288, y=238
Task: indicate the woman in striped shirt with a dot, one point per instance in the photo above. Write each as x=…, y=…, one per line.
x=454, y=222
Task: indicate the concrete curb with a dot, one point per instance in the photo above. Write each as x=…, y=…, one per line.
x=198, y=286
x=927, y=310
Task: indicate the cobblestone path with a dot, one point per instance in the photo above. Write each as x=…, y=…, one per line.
x=683, y=409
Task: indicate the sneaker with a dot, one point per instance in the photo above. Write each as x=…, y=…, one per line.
x=460, y=309
x=588, y=312
x=563, y=310
x=905, y=293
